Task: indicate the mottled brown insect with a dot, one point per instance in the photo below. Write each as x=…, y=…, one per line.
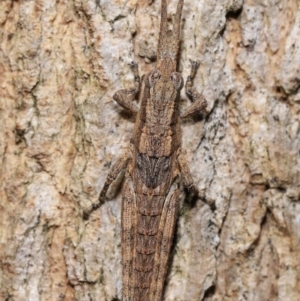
x=155, y=164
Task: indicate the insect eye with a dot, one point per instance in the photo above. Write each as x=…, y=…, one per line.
x=153, y=77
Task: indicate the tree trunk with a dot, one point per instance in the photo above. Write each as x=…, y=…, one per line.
x=61, y=62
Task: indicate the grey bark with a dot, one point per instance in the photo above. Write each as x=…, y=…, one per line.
x=61, y=62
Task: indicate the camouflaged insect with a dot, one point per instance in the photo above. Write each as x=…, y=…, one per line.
x=154, y=165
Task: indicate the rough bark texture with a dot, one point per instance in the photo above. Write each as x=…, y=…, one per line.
x=61, y=62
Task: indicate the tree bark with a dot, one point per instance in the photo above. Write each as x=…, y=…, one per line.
x=60, y=64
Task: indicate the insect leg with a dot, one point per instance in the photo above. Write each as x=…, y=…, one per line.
x=117, y=167
x=125, y=97
x=189, y=182
x=186, y=175
x=128, y=227
x=166, y=233
x=199, y=102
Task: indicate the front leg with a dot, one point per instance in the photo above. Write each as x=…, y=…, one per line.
x=125, y=97
x=199, y=103
x=117, y=167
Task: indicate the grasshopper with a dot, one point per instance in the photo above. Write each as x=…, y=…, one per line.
x=154, y=166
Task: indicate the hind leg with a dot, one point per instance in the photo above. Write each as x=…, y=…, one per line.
x=128, y=226
x=118, y=166
x=166, y=233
